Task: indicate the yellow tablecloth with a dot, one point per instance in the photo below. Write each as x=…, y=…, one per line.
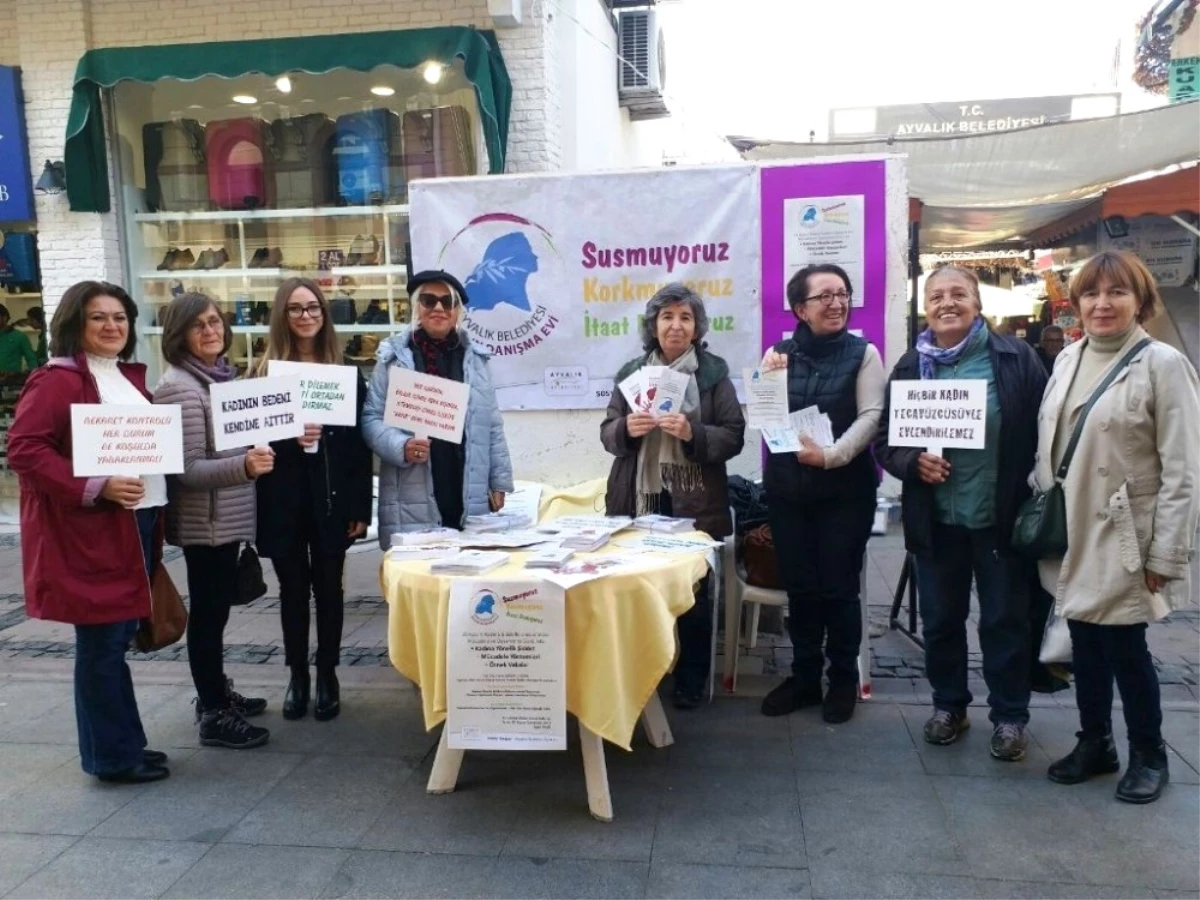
x=620, y=634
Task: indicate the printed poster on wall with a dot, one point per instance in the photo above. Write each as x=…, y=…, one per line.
x=506, y=681
x=1167, y=249
x=558, y=269
x=825, y=212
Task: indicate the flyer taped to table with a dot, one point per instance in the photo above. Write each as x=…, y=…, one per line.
x=109, y=439
x=256, y=411
x=506, y=682
x=766, y=398
x=426, y=405
x=938, y=414
x=328, y=394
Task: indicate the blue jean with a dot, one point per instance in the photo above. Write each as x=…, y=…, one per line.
x=944, y=592
x=111, y=738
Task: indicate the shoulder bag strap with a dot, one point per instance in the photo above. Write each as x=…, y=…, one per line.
x=1075, y=435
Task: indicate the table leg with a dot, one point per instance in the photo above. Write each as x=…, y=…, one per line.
x=654, y=721
x=446, y=764
x=595, y=773
x=864, y=648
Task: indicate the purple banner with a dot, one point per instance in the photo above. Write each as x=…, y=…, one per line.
x=856, y=195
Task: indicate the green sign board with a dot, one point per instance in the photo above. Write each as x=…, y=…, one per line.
x=1184, y=79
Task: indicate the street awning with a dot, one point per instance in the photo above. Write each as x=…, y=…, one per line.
x=995, y=189
x=86, y=163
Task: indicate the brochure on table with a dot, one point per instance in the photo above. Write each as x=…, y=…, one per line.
x=506, y=666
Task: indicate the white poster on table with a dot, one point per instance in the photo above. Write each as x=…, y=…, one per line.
x=111, y=439
x=426, y=405
x=255, y=411
x=328, y=394
x=825, y=230
x=506, y=680
x=558, y=269
x=939, y=414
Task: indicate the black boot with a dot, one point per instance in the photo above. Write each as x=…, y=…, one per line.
x=791, y=695
x=1091, y=756
x=328, y=695
x=1147, y=775
x=839, y=701
x=299, y=689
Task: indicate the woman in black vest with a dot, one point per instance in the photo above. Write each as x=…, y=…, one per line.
x=313, y=506
x=821, y=501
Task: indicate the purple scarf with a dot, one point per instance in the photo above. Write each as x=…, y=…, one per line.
x=218, y=372
x=932, y=356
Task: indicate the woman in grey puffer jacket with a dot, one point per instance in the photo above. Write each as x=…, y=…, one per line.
x=427, y=483
x=210, y=512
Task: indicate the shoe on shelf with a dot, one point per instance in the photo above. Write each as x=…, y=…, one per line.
x=274, y=259
x=258, y=260
x=168, y=260
x=228, y=728
x=298, y=693
x=944, y=727
x=205, y=260
x=154, y=757
x=839, y=703
x=1009, y=740
x=329, y=701
x=1147, y=775
x=142, y=773
x=182, y=259
x=354, y=254
x=790, y=696
x=247, y=706
x=1091, y=756
x=219, y=258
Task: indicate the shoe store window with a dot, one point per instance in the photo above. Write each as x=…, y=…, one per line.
x=229, y=186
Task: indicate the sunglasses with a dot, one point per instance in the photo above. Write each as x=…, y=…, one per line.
x=432, y=301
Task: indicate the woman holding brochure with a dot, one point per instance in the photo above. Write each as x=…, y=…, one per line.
x=210, y=512
x=429, y=483
x=821, y=500
x=313, y=505
x=673, y=462
x=959, y=510
x=88, y=545
x=1131, y=513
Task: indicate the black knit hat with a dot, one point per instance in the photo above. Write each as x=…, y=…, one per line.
x=430, y=275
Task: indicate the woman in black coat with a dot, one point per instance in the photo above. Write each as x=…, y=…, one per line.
x=313, y=506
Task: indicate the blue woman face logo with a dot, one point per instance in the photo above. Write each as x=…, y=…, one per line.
x=502, y=275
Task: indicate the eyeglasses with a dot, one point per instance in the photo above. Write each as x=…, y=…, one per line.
x=213, y=323
x=830, y=297
x=313, y=311
x=432, y=301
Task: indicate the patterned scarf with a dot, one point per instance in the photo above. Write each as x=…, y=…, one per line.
x=932, y=356
x=660, y=460
x=220, y=371
x=432, y=349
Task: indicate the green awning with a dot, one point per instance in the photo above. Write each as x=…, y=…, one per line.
x=85, y=158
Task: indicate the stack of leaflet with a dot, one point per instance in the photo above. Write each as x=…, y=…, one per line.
x=585, y=540
x=430, y=536
x=809, y=422
x=655, y=390
x=550, y=558
x=568, y=523
x=469, y=562
x=664, y=524
x=411, y=552
x=498, y=521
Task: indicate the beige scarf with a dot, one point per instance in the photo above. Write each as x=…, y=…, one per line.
x=660, y=460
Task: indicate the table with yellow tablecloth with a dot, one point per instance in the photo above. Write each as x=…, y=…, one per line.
x=620, y=632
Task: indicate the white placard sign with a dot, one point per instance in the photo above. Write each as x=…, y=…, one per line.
x=766, y=398
x=939, y=414
x=255, y=411
x=328, y=394
x=506, y=680
x=426, y=405
x=111, y=439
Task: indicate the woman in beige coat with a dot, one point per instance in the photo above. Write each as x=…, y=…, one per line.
x=210, y=512
x=1131, y=498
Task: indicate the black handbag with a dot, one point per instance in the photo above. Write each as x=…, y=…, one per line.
x=250, y=582
x=1040, y=531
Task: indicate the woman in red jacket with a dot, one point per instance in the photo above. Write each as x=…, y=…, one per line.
x=89, y=544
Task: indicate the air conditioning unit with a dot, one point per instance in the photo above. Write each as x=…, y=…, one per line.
x=641, y=66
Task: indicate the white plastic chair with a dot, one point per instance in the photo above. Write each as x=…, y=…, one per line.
x=737, y=594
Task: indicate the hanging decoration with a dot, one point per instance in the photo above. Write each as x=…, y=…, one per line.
x=1152, y=53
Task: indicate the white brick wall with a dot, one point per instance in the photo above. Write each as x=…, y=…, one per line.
x=8, y=33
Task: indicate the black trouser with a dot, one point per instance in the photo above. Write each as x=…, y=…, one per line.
x=695, y=642
x=820, y=549
x=944, y=595
x=212, y=583
x=304, y=571
x=1100, y=652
